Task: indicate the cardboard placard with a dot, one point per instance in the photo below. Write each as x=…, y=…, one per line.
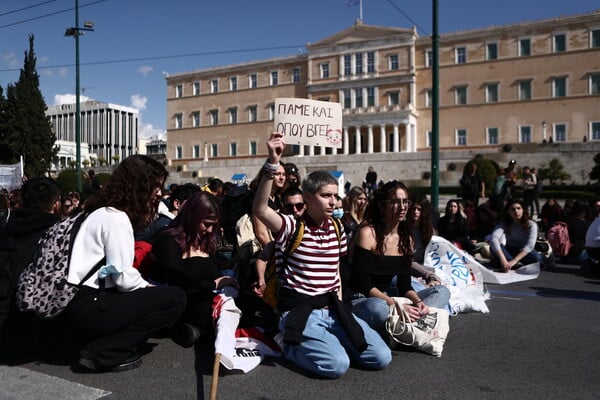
x=309, y=122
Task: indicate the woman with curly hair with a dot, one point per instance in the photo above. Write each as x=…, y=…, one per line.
x=383, y=252
x=185, y=257
x=115, y=311
x=513, y=240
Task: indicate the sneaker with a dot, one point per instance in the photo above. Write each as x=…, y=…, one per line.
x=185, y=335
x=89, y=362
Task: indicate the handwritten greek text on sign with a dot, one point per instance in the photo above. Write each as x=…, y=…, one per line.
x=309, y=122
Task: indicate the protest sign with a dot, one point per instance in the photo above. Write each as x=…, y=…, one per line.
x=309, y=122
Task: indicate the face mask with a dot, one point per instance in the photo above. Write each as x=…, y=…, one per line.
x=338, y=213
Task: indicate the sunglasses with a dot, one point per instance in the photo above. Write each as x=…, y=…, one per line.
x=289, y=207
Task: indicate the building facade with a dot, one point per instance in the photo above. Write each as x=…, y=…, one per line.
x=523, y=83
x=107, y=130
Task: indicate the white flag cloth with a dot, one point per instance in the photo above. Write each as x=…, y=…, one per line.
x=240, y=349
x=524, y=273
x=460, y=273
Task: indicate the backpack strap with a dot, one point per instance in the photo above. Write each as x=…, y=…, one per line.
x=295, y=240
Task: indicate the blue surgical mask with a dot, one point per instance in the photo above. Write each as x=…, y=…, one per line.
x=338, y=213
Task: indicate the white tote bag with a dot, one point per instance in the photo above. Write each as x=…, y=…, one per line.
x=427, y=334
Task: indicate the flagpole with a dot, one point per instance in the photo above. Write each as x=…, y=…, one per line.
x=361, y=10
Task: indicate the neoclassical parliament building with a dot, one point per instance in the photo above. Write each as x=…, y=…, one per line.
x=523, y=83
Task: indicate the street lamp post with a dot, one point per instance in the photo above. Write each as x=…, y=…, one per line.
x=75, y=32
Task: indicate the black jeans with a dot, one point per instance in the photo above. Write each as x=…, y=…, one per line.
x=114, y=324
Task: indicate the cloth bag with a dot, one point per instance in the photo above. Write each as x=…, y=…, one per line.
x=427, y=334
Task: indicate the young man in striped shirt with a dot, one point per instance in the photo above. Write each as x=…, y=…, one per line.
x=320, y=334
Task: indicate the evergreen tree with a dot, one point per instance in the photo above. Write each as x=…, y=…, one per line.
x=26, y=130
x=595, y=172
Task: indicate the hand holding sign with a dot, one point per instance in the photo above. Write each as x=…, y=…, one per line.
x=309, y=122
x=275, y=145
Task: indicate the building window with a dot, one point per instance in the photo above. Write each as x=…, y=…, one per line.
x=325, y=70
x=393, y=98
x=525, y=90
x=214, y=150
x=233, y=115
x=595, y=130
x=560, y=132
x=524, y=134
x=214, y=86
x=252, y=148
x=559, y=87
x=370, y=96
x=196, y=88
x=595, y=84
x=428, y=98
x=358, y=60
x=560, y=43
x=196, y=119
x=358, y=97
x=461, y=137
x=214, y=117
x=491, y=92
x=196, y=151
x=252, y=114
x=179, y=152
x=492, y=135
x=460, y=95
x=460, y=55
x=252, y=81
x=595, y=38
x=233, y=83
x=347, y=65
x=428, y=140
x=178, y=121
x=370, y=61
x=524, y=47
x=394, y=62
x=233, y=149
x=271, y=112
x=347, y=98
x=179, y=91
x=274, y=78
x=429, y=58
x=491, y=51
x=296, y=75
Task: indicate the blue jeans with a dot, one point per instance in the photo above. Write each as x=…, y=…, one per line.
x=326, y=349
x=510, y=253
x=374, y=311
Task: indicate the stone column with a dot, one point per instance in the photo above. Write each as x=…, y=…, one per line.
x=346, y=141
x=370, y=140
x=396, y=139
x=358, y=140
x=382, y=139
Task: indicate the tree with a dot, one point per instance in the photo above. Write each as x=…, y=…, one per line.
x=554, y=172
x=26, y=130
x=595, y=173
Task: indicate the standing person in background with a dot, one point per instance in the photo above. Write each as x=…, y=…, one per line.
x=356, y=204
x=115, y=323
x=472, y=185
x=92, y=185
x=539, y=187
x=370, y=181
x=529, y=183
x=320, y=334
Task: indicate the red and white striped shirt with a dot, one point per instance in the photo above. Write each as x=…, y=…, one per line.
x=313, y=268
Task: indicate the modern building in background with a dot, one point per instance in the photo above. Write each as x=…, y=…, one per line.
x=107, y=131
x=523, y=83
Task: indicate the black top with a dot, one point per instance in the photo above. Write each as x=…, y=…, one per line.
x=456, y=231
x=370, y=270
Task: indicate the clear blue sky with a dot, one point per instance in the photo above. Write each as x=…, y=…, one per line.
x=184, y=35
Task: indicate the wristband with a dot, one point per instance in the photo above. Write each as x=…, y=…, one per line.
x=268, y=174
x=270, y=167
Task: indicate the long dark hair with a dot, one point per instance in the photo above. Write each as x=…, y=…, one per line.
x=184, y=228
x=374, y=216
x=508, y=221
x=425, y=223
x=132, y=189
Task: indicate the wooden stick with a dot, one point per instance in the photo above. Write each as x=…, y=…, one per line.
x=215, y=377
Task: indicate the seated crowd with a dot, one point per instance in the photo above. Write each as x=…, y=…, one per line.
x=339, y=261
